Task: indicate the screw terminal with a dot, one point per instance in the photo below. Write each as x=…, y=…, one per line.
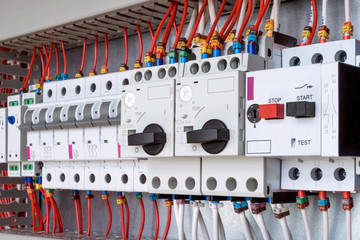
x=257, y=208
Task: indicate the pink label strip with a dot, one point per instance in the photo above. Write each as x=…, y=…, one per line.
x=70, y=152
x=250, y=88
x=28, y=153
x=119, y=150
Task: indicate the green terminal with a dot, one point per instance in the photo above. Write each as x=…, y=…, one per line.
x=29, y=101
x=300, y=200
x=14, y=103
x=172, y=54
x=139, y=195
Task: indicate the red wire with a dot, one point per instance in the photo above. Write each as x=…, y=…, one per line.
x=32, y=212
x=47, y=65
x=151, y=33
x=47, y=217
x=168, y=223
x=314, y=22
x=127, y=219
x=64, y=56
x=77, y=217
x=261, y=15
x=247, y=18
x=106, y=49
x=151, y=30
x=83, y=55
x=157, y=215
x=110, y=217
x=126, y=46
x=178, y=35
x=172, y=19
x=175, y=27
x=40, y=226
x=81, y=216
x=30, y=68
x=170, y=23
x=140, y=43
x=234, y=19
x=160, y=26
x=196, y=23
x=216, y=20
x=122, y=220
x=96, y=52
x=57, y=59
x=346, y=195
x=89, y=217
x=42, y=61
x=58, y=215
x=301, y=193
x=47, y=59
x=228, y=20
x=54, y=214
x=142, y=219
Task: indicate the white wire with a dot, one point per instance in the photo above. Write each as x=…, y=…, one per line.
x=181, y=222
x=311, y=22
x=251, y=229
x=306, y=223
x=348, y=225
x=215, y=223
x=276, y=15
x=212, y=12
x=195, y=220
x=202, y=19
x=311, y=14
x=324, y=11
x=325, y=225
x=284, y=225
x=191, y=23
x=261, y=222
x=203, y=227
x=262, y=20
x=221, y=229
x=347, y=11
x=245, y=226
x=241, y=16
x=176, y=212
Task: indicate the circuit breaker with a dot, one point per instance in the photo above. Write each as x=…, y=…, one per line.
x=210, y=115
x=303, y=111
x=147, y=119
x=17, y=139
x=3, y=135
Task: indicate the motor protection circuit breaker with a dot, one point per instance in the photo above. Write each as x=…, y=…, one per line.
x=304, y=116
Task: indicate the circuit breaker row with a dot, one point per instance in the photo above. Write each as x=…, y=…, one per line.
x=205, y=115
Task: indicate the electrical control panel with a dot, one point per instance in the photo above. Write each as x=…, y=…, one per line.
x=302, y=111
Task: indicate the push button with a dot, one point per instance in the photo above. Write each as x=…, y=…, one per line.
x=300, y=109
x=271, y=111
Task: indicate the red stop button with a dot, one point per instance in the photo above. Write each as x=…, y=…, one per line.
x=271, y=111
